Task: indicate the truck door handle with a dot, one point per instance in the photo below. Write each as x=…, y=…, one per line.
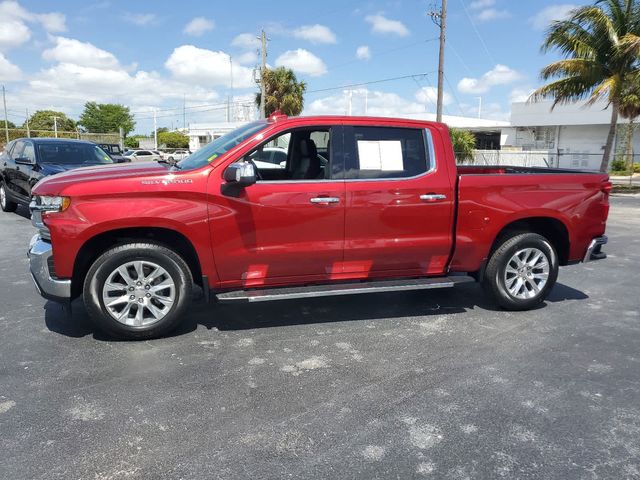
x=432, y=197
x=325, y=200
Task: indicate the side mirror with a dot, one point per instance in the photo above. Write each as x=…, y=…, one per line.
x=242, y=174
x=24, y=161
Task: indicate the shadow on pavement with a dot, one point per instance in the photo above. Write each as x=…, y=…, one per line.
x=243, y=316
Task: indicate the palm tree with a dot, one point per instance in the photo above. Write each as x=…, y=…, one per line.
x=630, y=109
x=283, y=92
x=600, y=44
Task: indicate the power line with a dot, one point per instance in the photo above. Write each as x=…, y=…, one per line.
x=475, y=28
x=419, y=75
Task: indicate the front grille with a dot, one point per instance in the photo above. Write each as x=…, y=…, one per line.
x=51, y=267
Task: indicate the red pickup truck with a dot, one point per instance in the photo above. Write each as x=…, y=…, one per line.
x=348, y=205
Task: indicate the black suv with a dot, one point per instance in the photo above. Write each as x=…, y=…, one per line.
x=27, y=160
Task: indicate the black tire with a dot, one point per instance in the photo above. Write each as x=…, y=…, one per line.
x=6, y=204
x=109, y=261
x=495, y=282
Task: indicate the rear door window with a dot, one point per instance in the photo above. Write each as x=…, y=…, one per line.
x=385, y=152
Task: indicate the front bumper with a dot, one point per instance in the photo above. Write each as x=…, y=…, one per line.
x=594, y=252
x=49, y=287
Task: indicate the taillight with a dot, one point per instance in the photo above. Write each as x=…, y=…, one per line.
x=606, y=187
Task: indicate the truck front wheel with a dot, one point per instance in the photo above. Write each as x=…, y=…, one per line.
x=521, y=271
x=137, y=290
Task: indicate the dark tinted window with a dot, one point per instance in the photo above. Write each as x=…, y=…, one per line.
x=72, y=154
x=383, y=152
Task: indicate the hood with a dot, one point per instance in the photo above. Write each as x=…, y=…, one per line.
x=53, y=168
x=117, y=171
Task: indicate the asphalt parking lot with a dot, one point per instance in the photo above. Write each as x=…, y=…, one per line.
x=403, y=385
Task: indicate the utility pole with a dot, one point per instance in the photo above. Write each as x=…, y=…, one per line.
x=6, y=120
x=155, y=130
x=27, y=123
x=263, y=67
x=440, y=19
x=55, y=126
x=349, y=110
x=479, y=107
x=184, y=111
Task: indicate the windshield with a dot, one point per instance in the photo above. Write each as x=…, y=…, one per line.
x=221, y=145
x=72, y=154
x=128, y=153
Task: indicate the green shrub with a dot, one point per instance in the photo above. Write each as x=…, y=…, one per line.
x=636, y=168
x=618, y=165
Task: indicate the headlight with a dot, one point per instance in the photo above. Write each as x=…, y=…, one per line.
x=45, y=203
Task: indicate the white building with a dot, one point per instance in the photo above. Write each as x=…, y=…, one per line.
x=570, y=136
x=488, y=131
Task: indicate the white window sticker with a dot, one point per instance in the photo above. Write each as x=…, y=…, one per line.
x=385, y=155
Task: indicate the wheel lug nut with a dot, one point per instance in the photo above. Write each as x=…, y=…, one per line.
x=140, y=300
x=131, y=289
x=132, y=297
x=139, y=284
x=147, y=287
x=148, y=295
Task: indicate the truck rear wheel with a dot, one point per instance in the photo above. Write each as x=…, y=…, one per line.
x=137, y=290
x=6, y=204
x=521, y=271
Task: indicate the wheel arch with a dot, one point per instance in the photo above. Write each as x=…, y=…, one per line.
x=551, y=228
x=99, y=243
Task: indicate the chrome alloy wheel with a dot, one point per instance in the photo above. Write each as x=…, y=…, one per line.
x=527, y=273
x=139, y=293
x=3, y=197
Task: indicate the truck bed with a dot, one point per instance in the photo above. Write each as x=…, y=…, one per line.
x=492, y=197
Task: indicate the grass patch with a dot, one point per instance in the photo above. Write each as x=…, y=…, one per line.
x=625, y=189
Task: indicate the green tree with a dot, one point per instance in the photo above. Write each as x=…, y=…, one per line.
x=9, y=124
x=464, y=142
x=173, y=140
x=106, y=117
x=283, y=92
x=600, y=44
x=43, y=120
x=131, y=142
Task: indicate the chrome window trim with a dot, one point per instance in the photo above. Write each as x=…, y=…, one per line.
x=432, y=163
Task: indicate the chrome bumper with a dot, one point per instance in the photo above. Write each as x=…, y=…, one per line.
x=47, y=286
x=594, y=252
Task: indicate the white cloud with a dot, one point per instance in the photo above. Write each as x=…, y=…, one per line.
x=246, y=58
x=78, y=78
x=480, y=4
x=546, y=16
x=8, y=71
x=53, y=22
x=371, y=102
x=499, y=75
x=363, y=52
x=246, y=40
x=429, y=95
x=69, y=50
x=381, y=24
x=520, y=94
x=13, y=33
x=485, y=11
x=315, y=34
x=207, y=68
x=302, y=61
x=14, y=30
x=141, y=19
x=492, y=14
x=199, y=26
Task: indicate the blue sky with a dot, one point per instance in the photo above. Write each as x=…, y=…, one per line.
x=156, y=55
